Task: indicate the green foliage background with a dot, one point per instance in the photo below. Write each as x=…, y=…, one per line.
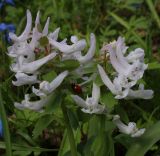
x=136, y=20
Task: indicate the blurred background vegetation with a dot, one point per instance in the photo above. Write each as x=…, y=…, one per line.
x=136, y=20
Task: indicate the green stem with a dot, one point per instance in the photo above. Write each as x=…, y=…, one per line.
x=69, y=131
x=5, y=127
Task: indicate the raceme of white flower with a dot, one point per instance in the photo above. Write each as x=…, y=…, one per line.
x=121, y=87
x=132, y=66
x=23, y=53
x=130, y=129
x=46, y=88
x=90, y=105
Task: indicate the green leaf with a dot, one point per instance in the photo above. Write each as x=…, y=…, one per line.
x=6, y=131
x=43, y=41
x=153, y=11
x=145, y=142
x=21, y=153
x=153, y=65
x=49, y=76
x=109, y=100
x=42, y=123
x=68, y=64
x=25, y=148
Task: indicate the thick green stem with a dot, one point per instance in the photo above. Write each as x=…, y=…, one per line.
x=69, y=131
x=5, y=128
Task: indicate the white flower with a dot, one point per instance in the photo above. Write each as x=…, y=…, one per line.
x=140, y=93
x=31, y=67
x=23, y=79
x=21, y=49
x=77, y=55
x=46, y=88
x=78, y=46
x=121, y=87
x=137, y=54
x=32, y=105
x=91, y=104
x=54, y=35
x=89, y=55
x=115, y=87
x=26, y=31
x=121, y=64
x=129, y=129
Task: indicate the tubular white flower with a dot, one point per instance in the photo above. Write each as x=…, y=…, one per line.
x=140, y=93
x=129, y=129
x=54, y=35
x=32, y=67
x=26, y=31
x=78, y=46
x=45, y=29
x=121, y=87
x=46, y=88
x=23, y=79
x=32, y=105
x=106, y=80
x=91, y=104
x=132, y=66
x=137, y=54
x=21, y=49
x=89, y=55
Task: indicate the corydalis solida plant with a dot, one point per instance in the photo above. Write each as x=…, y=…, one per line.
x=27, y=67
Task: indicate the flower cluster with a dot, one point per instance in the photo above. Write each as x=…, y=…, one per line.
x=26, y=66
x=129, y=69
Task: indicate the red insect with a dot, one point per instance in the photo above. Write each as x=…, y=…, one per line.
x=76, y=88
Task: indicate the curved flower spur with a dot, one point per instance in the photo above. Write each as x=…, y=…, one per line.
x=129, y=69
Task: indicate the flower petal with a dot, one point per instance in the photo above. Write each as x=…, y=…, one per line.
x=95, y=94
x=79, y=101
x=91, y=51
x=78, y=46
x=35, y=65
x=106, y=80
x=23, y=79
x=26, y=31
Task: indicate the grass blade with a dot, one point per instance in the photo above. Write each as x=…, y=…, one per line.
x=153, y=11
x=127, y=26
x=6, y=132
